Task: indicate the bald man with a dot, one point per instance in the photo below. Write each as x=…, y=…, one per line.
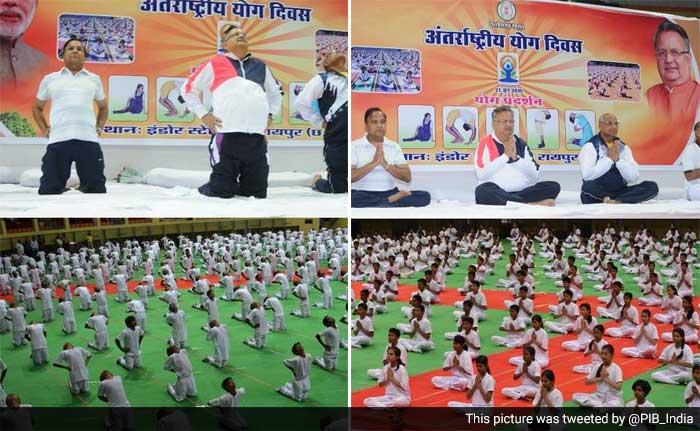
x=608, y=167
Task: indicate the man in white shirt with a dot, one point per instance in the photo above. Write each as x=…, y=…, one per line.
x=111, y=391
x=608, y=167
x=77, y=359
x=376, y=165
x=245, y=97
x=74, y=128
x=691, y=166
x=506, y=168
x=228, y=403
x=179, y=363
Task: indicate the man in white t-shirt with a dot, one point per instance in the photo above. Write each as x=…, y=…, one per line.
x=691, y=166
x=376, y=165
x=74, y=128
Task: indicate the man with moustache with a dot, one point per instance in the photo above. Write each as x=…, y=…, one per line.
x=245, y=96
x=506, y=169
x=74, y=129
x=608, y=167
x=17, y=59
x=376, y=164
x=677, y=96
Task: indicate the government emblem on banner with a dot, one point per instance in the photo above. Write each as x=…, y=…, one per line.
x=508, y=68
x=506, y=10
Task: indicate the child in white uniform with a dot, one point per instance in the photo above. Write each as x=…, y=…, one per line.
x=256, y=320
x=530, y=371
x=481, y=390
x=65, y=308
x=692, y=389
x=645, y=337
x=99, y=323
x=77, y=360
x=393, y=336
x=687, y=319
x=671, y=304
x=548, y=397
x=301, y=291
x=129, y=342
x=329, y=339
x=607, y=376
x=420, y=330
x=583, y=328
x=567, y=312
x=300, y=364
x=679, y=359
x=218, y=333
x=593, y=350
x=363, y=328
x=36, y=334
x=395, y=380
x=179, y=363
x=514, y=327
x=641, y=389
x=629, y=319
x=273, y=303
x=175, y=318
x=537, y=338
x=460, y=363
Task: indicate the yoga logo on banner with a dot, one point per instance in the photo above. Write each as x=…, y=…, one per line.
x=508, y=68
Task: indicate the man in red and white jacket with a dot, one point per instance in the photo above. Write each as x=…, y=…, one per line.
x=506, y=169
x=244, y=97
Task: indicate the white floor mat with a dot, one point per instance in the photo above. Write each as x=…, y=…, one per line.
x=142, y=200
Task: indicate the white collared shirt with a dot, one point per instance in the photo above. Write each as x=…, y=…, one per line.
x=72, y=113
x=378, y=179
x=691, y=160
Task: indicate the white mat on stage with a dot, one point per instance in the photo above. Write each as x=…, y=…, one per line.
x=172, y=193
x=669, y=204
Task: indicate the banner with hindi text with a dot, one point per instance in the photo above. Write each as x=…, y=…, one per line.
x=144, y=50
x=439, y=68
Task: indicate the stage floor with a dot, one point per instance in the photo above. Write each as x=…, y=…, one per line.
x=141, y=200
x=568, y=206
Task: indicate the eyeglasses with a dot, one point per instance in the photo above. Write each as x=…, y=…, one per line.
x=675, y=53
x=505, y=121
x=231, y=32
x=611, y=123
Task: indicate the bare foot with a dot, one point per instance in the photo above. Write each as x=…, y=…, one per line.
x=608, y=200
x=398, y=195
x=457, y=141
x=314, y=179
x=546, y=203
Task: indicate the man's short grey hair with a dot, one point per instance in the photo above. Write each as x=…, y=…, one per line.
x=500, y=109
x=671, y=26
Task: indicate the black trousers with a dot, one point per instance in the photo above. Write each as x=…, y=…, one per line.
x=335, y=153
x=242, y=169
x=57, y=161
x=491, y=194
x=613, y=185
